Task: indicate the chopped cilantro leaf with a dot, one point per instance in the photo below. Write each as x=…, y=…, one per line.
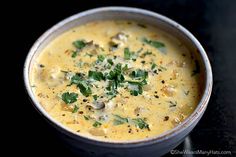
x=110, y=61
x=97, y=124
x=136, y=87
x=153, y=66
x=86, y=117
x=101, y=58
x=136, y=90
x=125, y=68
x=98, y=76
x=79, y=44
x=139, y=122
x=76, y=108
x=139, y=74
x=95, y=97
x=69, y=98
x=84, y=88
x=145, y=54
x=157, y=44
x=76, y=78
x=118, y=120
x=129, y=55
x=74, y=54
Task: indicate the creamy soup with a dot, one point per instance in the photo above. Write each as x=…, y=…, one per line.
x=116, y=80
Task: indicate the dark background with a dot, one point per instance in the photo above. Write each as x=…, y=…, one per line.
x=213, y=22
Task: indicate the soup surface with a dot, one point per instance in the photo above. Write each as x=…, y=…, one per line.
x=116, y=80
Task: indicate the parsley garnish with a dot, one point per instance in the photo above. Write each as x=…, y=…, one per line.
x=86, y=117
x=76, y=78
x=74, y=54
x=95, y=97
x=112, y=86
x=116, y=78
x=136, y=92
x=97, y=124
x=76, y=108
x=116, y=75
x=69, y=98
x=129, y=55
x=84, y=88
x=118, y=120
x=146, y=53
x=139, y=74
x=79, y=44
x=136, y=87
x=162, y=68
x=110, y=61
x=139, y=122
x=153, y=66
x=95, y=75
x=157, y=44
x=101, y=58
x=88, y=54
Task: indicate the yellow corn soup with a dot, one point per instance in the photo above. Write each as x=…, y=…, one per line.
x=116, y=80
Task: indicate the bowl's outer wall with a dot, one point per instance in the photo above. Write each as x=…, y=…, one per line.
x=82, y=145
